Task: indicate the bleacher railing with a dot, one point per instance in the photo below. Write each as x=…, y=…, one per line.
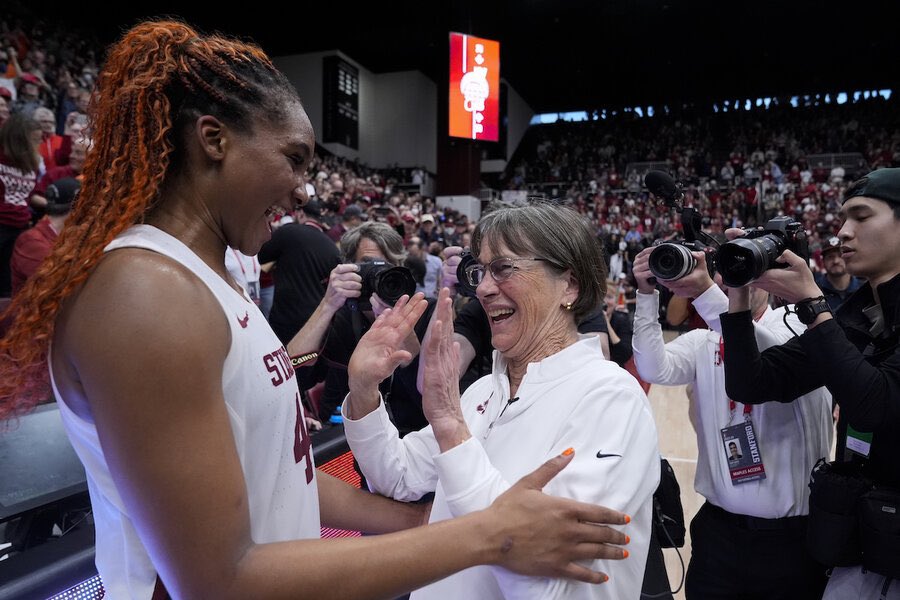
x=848, y=160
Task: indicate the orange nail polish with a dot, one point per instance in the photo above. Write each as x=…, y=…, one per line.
x=568, y=451
x=605, y=578
x=624, y=553
x=627, y=519
x=627, y=539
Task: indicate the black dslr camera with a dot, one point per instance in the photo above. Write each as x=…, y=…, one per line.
x=673, y=260
x=463, y=286
x=384, y=279
x=745, y=259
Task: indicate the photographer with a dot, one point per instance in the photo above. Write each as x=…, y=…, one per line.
x=854, y=353
x=350, y=306
x=754, y=518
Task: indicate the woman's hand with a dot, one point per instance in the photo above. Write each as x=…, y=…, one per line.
x=440, y=381
x=380, y=351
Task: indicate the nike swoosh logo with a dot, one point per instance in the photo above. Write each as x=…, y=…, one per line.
x=601, y=455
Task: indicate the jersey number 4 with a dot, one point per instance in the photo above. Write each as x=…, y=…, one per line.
x=302, y=443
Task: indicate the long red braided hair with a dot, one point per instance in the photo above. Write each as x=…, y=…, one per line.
x=158, y=79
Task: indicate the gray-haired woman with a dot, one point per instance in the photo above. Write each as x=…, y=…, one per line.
x=538, y=271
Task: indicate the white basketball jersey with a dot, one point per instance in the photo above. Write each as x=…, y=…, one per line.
x=266, y=417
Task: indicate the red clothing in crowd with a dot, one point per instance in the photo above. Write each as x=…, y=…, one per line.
x=55, y=150
x=15, y=189
x=53, y=175
x=30, y=250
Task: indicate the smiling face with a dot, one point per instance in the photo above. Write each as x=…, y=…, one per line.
x=525, y=311
x=870, y=240
x=263, y=172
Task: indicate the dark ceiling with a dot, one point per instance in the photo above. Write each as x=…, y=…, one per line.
x=571, y=55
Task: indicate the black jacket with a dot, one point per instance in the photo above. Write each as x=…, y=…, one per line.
x=399, y=391
x=861, y=371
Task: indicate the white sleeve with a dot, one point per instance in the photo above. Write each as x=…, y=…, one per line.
x=709, y=305
x=402, y=469
x=612, y=420
x=772, y=330
x=656, y=361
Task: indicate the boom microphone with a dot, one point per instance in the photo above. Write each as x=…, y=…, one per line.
x=663, y=186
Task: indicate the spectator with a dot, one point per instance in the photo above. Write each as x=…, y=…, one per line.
x=67, y=104
x=5, y=97
x=51, y=143
x=836, y=283
x=410, y=226
x=20, y=137
x=433, y=264
x=460, y=229
x=311, y=214
x=350, y=218
x=29, y=97
x=33, y=246
x=80, y=149
x=428, y=232
x=303, y=257
x=618, y=327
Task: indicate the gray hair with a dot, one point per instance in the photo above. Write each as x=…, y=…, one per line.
x=553, y=232
x=385, y=237
x=42, y=110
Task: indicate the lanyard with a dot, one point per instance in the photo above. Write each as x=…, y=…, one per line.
x=241, y=263
x=720, y=356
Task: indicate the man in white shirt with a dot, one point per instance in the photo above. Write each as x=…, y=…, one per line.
x=748, y=539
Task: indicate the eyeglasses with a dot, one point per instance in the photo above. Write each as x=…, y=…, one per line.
x=501, y=269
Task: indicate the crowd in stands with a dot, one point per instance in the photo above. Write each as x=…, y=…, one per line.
x=738, y=168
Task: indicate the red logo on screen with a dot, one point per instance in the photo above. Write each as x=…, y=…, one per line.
x=474, y=87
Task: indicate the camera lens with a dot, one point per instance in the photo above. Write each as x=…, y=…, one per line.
x=462, y=282
x=743, y=260
x=393, y=283
x=669, y=262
